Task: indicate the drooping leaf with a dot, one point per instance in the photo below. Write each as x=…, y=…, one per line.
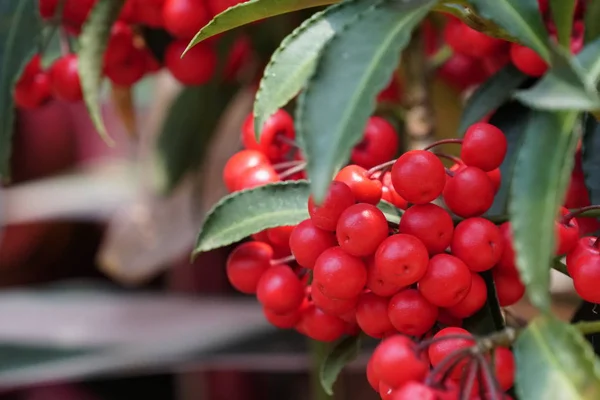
x=19, y=41
x=542, y=171
x=294, y=61
x=555, y=363
x=340, y=96
x=590, y=158
x=562, y=14
x=93, y=42
x=344, y=352
x=489, y=318
x=251, y=11
x=592, y=21
x=520, y=18
x=241, y=214
x=392, y=214
x=490, y=95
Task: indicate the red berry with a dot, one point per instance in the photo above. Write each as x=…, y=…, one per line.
x=567, y=234
x=280, y=236
x=282, y=321
x=376, y=283
x=256, y=176
x=239, y=163
x=527, y=60
x=280, y=290
x=360, y=229
x=365, y=189
x=389, y=194
x=128, y=71
x=504, y=367
x=385, y=391
x=496, y=178
x=544, y=6
x=308, y=242
x=32, y=92
x=478, y=243
x=439, y=350
x=411, y=314
x=429, y=223
x=484, y=146
x=278, y=128
x=64, y=78
x=474, y=301
x=418, y=176
x=415, y=390
x=585, y=246
x=509, y=288
x=379, y=144
x=339, y=275
x=337, y=307
x=446, y=282
x=445, y=318
x=218, y=6
x=149, y=12
x=371, y=376
x=321, y=326
x=247, y=263
x=372, y=315
x=462, y=72
x=240, y=56
x=465, y=40
x=401, y=259
x=396, y=362
x=120, y=44
x=326, y=215
x=507, y=264
x=184, y=18
x=469, y=193
x=586, y=277
x=195, y=68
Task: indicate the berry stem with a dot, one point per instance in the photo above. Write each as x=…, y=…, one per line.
x=447, y=365
x=449, y=173
x=293, y=170
x=588, y=327
x=579, y=212
x=283, y=260
x=440, y=57
x=287, y=164
x=468, y=379
x=557, y=265
x=452, y=158
x=426, y=343
x=380, y=167
x=490, y=380
x=443, y=141
x=286, y=140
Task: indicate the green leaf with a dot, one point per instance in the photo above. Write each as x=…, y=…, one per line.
x=520, y=18
x=92, y=45
x=562, y=14
x=554, y=362
x=490, y=95
x=293, y=63
x=489, y=318
x=590, y=158
x=542, y=172
x=16, y=50
x=344, y=352
x=251, y=11
x=241, y=214
x=354, y=66
x=392, y=214
x=592, y=21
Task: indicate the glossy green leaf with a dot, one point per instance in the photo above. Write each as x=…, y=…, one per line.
x=554, y=362
x=344, y=352
x=592, y=21
x=489, y=318
x=241, y=214
x=92, y=45
x=590, y=158
x=490, y=95
x=541, y=176
x=251, y=11
x=520, y=18
x=392, y=214
x=23, y=29
x=562, y=14
x=339, y=98
x=294, y=61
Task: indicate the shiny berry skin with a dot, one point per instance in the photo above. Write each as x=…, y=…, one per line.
x=280, y=235
x=418, y=176
x=469, y=193
x=411, y=314
x=280, y=290
x=308, y=242
x=496, y=178
x=320, y=326
x=372, y=378
x=360, y=229
x=282, y=321
x=586, y=277
x=184, y=18
x=64, y=78
x=473, y=301
x=326, y=215
x=509, y=288
x=385, y=391
x=465, y=40
x=484, y=146
x=438, y=351
x=198, y=65
x=379, y=144
x=279, y=125
x=365, y=189
x=446, y=282
x=504, y=367
x=339, y=275
x=401, y=260
x=337, y=307
x=507, y=264
x=239, y=163
x=396, y=362
x=414, y=390
x=128, y=71
x=585, y=246
x=389, y=194
x=478, y=242
x=567, y=234
x=372, y=315
x=32, y=92
x=120, y=44
x=429, y=223
x=256, y=176
x=247, y=263
x=376, y=283
x=527, y=61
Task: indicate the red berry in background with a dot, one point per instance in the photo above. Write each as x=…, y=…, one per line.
x=507, y=263
x=64, y=79
x=474, y=301
x=585, y=246
x=478, y=243
x=184, y=18
x=484, y=146
x=256, y=176
x=376, y=283
x=337, y=307
x=389, y=194
x=446, y=282
x=465, y=40
x=239, y=163
x=401, y=259
x=439, y=350
x=32, y=92
x=198, y=65
x=495, y=62
x=504, y=367
x=411, y=314
x=360, y=229
x=372, y=378
x=150, y=61
x=280, y=235
x=496, y=178
x=280, y=290
x=462, y=72
x=429, y=223
x=120, y=44
x=318, y=325
x=469, y=193
x=326, y=215
x=567, y=234
x=544, y=6
x=339, y=275
x=446, y=319
x=527, y=61
x=418, y=176
x=279, y=126
x=308, y=242
x=148, y=12
x=128, y=71
x=240, y=55
x=509, y=288
x=282, y=321
x=379, y=144
x=586, y=277
x=218, y=6
x=415, y=390
x=365, y=189
x=396, y=362
x=392, y=92
x=247, y=263
x=372, y=315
